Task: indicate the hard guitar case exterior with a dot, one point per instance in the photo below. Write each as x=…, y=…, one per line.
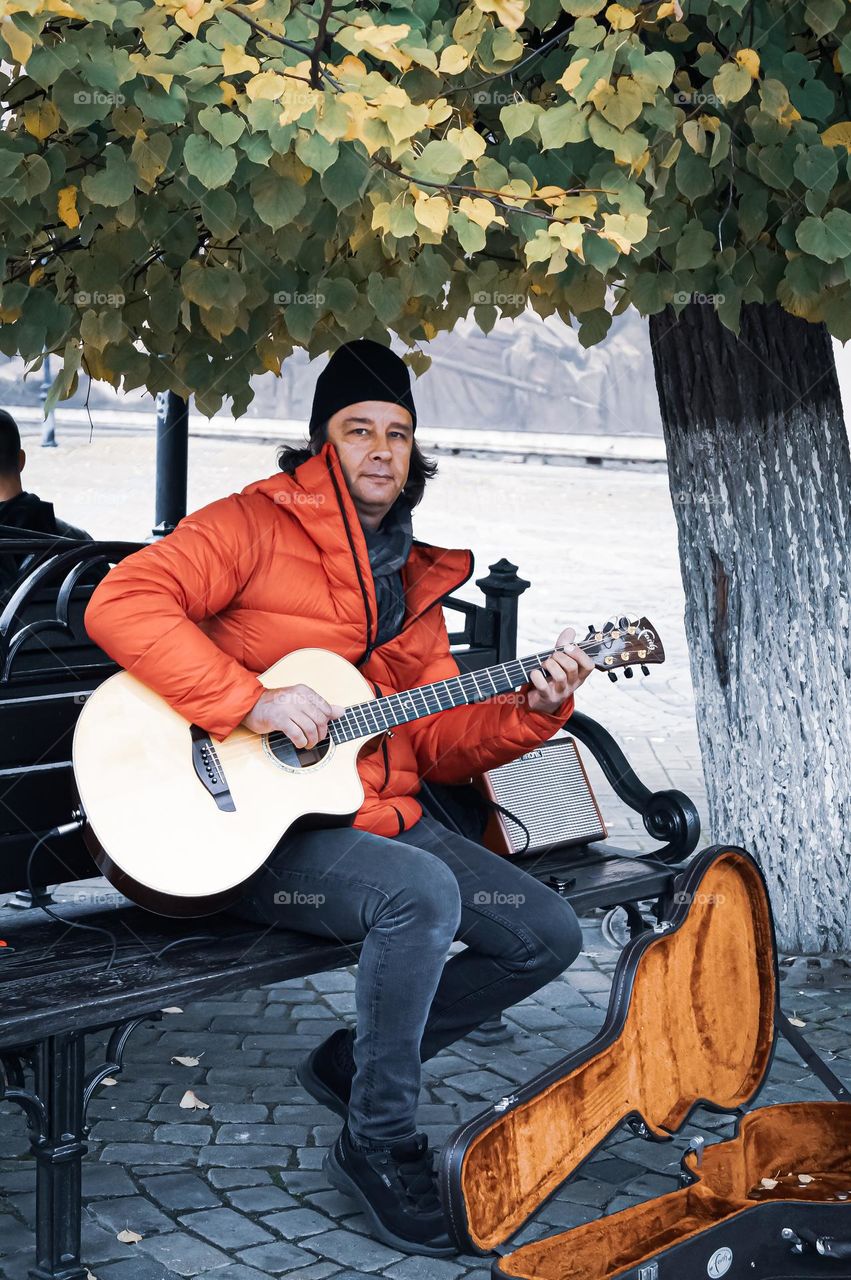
x=692, y=1021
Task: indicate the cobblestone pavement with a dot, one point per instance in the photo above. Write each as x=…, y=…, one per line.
x=236, y=1190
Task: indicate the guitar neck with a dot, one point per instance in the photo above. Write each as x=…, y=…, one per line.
x=368, y=718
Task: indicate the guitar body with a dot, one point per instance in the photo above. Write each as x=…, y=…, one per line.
x=157, y=831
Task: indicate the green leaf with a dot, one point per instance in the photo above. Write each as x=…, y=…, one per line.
x=277, y=200
x=824, y=15
x=732, y=82
x=693, y=175
x=827, y=238
x=594, y=326
x=695, y=247
x=559, y=126
x=347, y=178
x=518, y=118
x=114, y=183
x=225, y=126
x=208, y=162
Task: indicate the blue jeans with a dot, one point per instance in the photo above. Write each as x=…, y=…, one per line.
x=407, y=898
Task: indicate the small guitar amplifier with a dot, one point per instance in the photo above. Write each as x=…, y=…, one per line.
x=549, y=791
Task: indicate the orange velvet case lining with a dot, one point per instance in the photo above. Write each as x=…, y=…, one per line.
x=691, y=1019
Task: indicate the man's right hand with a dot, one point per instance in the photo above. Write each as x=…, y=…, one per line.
x=296, y=710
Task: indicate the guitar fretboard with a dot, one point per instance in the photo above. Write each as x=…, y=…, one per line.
x=368, y=718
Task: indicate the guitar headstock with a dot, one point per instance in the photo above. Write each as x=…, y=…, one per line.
x=623, y=645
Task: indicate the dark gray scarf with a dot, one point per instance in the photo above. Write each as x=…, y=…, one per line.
x=388, y=547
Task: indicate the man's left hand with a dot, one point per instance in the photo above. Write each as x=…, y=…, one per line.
x=566, y=670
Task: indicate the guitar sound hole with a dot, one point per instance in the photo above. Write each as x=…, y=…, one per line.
x=283, y=750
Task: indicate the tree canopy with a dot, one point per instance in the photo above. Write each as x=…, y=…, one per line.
x=190, y=190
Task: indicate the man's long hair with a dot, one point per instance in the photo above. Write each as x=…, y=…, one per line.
x=421, y=469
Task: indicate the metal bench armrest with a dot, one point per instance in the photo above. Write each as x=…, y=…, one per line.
x=668, y=815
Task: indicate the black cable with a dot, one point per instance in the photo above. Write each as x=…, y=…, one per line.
x=65, y=830
x=492, y=804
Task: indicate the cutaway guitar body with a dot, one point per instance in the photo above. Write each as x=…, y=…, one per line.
x=179, y=822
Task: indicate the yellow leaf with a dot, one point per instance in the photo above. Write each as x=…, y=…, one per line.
x=695, y=136
x=838, y=135
x=749, y=59
x=432, y=212
x=479, y=210
x=641, y=163
x=66, y=203
x=710, y=123
x=601, y=93
x=192, y=7
x=438, y=111
x=18, y=41
x=266, y=87
x=470, y=143
x=41, y=118
x=453, y=60
x=381, y=39
x=620, y=18
x=228, y=93
x=573, y=74
x=35, y=276
x=235, y=60
x=510, y=12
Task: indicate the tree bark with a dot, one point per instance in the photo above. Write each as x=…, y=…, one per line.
x=760, y=478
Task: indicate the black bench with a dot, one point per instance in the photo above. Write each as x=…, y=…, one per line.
x=60, y=984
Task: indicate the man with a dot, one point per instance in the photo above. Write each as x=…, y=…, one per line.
x=322, y=554
x=20, y=512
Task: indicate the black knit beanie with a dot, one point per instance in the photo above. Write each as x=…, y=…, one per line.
x=361, y=370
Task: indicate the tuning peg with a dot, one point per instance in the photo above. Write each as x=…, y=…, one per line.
x=591, y=629
x=623, y=623
x=609, y=626
x=645, y=670
x=613, y=675
x=628, y=672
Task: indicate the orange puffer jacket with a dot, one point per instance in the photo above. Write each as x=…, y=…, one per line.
x=283, y=565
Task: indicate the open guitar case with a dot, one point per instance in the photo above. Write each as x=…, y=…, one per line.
x=693, y=1020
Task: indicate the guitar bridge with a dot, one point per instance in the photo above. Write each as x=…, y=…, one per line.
x=208, y=769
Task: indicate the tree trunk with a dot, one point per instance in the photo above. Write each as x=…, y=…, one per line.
x=760, y=477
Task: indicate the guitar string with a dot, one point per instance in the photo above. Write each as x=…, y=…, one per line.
x=372, y=706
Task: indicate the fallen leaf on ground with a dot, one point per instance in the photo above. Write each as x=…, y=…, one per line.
x=769, y=1183
x=805, y=1178
x=187, y=1062
x=173, y=1009
x=796, y=1022
x=129, y=1237
x=189, y=1100
x=109, y=1080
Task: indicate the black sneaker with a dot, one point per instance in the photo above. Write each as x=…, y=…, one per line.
x=396, y=1188
x=326, y=1073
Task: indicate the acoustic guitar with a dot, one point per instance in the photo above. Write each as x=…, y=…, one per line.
x=180, y=823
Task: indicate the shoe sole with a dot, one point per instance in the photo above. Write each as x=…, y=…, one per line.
x=347, y=1185
x=310, y=1082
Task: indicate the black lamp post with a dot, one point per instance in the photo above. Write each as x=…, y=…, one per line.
x=172, y=461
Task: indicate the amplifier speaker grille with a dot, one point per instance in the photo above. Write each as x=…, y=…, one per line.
x=549, y=790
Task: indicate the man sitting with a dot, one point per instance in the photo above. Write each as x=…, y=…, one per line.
x=322, y=554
